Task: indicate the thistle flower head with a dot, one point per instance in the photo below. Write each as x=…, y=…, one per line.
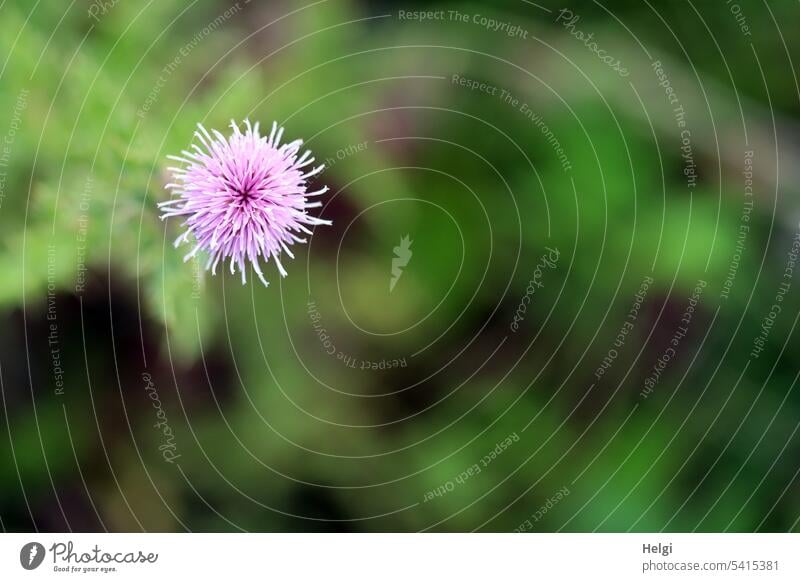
x=245, y=197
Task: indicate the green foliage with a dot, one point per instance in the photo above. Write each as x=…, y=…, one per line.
x=270, y=425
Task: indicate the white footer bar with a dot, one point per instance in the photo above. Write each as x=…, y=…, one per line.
x=401, y=557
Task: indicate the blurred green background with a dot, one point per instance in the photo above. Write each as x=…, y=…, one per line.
x=139, y=393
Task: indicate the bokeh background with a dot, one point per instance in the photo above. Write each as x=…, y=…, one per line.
x=594, y=323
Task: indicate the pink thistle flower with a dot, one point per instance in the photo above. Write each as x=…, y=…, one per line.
x=245, y=197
